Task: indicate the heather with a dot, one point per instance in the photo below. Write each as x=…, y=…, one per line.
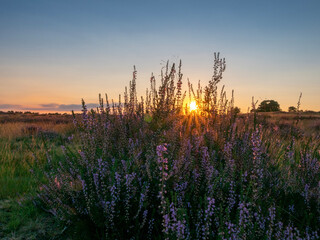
x=150, y=168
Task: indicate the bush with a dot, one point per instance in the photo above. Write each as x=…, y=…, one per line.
x=269, y=106
x=153, y=169
x=292, y=109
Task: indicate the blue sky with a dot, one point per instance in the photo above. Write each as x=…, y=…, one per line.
x=53, y=53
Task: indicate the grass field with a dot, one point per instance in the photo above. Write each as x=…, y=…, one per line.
x=22, y=136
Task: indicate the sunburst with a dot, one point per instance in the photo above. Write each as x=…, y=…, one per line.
x=193, y=106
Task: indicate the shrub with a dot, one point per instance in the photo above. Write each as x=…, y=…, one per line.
x=269, y=106
x=292, y=109
x=153, y=169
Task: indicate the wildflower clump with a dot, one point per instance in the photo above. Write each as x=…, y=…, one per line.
x=153, y=169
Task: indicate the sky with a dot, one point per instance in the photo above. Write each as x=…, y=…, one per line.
x=54, y=53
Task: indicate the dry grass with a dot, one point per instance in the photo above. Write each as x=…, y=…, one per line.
x=11, y=130
x=22, y=125
x=308, y=124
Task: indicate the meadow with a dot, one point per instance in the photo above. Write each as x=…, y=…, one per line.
x=155, y=168
x=22, y=135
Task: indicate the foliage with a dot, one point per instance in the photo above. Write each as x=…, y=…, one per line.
x=151, y=169
x=22, y=220
x=269, y=106
x=16, y=140
x=19, y=218
x=292, y=109
x=236, y=110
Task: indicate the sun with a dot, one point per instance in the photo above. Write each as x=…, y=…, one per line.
x=193, y=106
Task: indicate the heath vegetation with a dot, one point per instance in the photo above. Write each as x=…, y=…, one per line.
x=175, y=164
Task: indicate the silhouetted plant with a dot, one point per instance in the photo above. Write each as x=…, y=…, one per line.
x=269, y=106
x=292, y=109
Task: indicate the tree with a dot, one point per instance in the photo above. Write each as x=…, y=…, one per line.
x=292, y=109
x=269, y=106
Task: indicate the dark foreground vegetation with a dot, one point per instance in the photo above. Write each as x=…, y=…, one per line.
x=153, y=169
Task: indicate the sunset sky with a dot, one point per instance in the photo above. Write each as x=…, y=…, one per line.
x=53, y=53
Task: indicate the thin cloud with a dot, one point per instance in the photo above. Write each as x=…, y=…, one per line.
x=10, y=106
x=52, y=107
x=75, y=107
